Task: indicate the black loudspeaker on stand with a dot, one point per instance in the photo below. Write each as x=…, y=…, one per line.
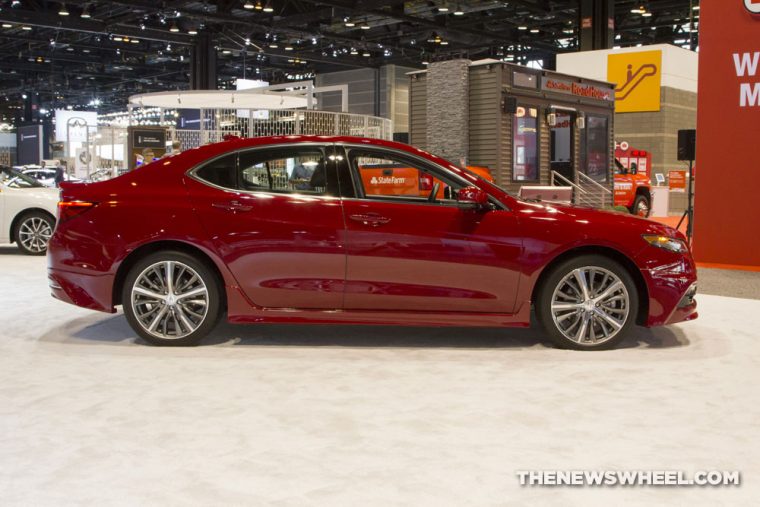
x=687, y=150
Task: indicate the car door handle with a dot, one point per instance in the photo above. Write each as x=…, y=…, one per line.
x=372, y=219
x=233, y=206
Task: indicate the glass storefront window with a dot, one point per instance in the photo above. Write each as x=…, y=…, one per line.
x=525, y=144
x=596, y=161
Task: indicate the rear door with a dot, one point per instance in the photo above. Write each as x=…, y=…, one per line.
x=275, y=218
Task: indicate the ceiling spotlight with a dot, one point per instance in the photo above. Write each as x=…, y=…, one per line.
x=646, y=14
x=26, y=27
x=638, y=10
x=349, y=23
x=174, y=28
x=273, y=45
x=248, y=5
x=15, y=3
x=7, y=25
x=258, y=6
x=534, y=30
x=444, y=43
x=135, y=41
x=226, y=52
x=354, y=51
x=366, y=53
x=63, y=11
x=458, y=11
x=192, y=31
x=365, y=26
x=268, y=7
x=523, y=27
x=443, y=8
x=87, y=12
x=288, y=48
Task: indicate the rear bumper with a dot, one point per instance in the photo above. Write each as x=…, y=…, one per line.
x=81, y=289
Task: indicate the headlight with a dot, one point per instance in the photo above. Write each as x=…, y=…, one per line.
x=666, y=243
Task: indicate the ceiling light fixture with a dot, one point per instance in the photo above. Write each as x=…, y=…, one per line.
x=248, y=5
x=458, y=11
x=174, y=28
x=348, y=22
x=443, y=8
x=522, y=27
x=7, y=25
x=87, y=12
x=258, y=5
x=193, y=31
x=534, y=30
x=365, y=26
x=268, y=7
x=64, y=11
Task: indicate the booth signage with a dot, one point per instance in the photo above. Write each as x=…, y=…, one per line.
x=551, y=84
x=677, y=181
x=29, y=144
x=149, y=138
x=752, y=6
x=638, y=80
x=727, y=133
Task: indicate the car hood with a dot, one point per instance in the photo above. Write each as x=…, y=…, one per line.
x=602, y=222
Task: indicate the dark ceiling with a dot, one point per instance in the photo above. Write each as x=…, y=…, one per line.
x=75, y=52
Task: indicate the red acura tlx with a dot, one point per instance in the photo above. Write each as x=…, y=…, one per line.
x=347, y=230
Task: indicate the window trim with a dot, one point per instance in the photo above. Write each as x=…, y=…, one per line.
x=538, y=144
x=192, y=172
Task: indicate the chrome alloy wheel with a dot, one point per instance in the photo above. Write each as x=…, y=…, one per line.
x=590, y=305
x=34, y=234
x=642, y=208
x=169, y=300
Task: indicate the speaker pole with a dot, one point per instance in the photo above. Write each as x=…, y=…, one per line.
x=689, y=211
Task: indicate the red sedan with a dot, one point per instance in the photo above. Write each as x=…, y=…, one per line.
x=282, y=229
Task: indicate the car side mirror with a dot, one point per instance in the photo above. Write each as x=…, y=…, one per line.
x=472, y=197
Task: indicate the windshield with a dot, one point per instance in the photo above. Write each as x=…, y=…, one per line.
x=17, y=179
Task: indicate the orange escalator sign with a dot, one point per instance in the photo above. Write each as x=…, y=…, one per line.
x=638, y=77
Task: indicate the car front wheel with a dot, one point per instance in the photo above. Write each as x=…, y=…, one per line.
x=588, y=302
x=33, y=231
x=171, y=298
x=641, y=206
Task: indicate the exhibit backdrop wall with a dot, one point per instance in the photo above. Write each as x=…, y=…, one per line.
x=726, y=223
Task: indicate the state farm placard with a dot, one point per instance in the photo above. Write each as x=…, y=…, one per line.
x=728, y=130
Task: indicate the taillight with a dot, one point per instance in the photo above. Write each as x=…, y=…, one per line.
x=70, y=209
x=426, y=182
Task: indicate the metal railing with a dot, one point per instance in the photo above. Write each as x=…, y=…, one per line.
x=595, y=191
x=586, y=191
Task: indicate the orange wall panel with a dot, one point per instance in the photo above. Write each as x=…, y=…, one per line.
x=727, y=214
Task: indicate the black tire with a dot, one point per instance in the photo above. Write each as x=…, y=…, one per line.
x=641, y=206
x=213, y=295
x=602, y=266
x=32, y=232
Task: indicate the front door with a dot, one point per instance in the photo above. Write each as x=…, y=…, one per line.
x=411, y=247
x=561, y=145
x=275, y=218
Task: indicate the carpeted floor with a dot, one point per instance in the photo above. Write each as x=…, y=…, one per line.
x=323, y=415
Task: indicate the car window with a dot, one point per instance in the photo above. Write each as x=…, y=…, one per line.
x=301, y=170
x=384, y=175
x=220, y=172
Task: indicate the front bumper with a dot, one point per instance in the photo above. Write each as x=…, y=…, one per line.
x=672, y=289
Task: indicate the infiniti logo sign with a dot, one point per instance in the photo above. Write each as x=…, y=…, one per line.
x=752, y=6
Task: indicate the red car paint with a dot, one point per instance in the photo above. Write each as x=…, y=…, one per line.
x=287, y=257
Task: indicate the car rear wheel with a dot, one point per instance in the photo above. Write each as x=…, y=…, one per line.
x=171, y=298
x=588, y=302
x=33, y=231
x=641, y=206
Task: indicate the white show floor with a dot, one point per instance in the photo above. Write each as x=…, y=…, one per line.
x=349, y=416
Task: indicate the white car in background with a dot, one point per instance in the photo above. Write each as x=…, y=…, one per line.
x=27, y=212
x=46, y=176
